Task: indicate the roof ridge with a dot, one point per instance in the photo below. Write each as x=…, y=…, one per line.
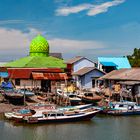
x=29, y=61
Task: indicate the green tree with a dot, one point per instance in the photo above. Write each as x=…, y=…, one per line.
x=134, y=59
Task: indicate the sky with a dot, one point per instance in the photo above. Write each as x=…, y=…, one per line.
x=89, y=28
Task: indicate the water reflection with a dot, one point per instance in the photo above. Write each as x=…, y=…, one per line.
x=99, y=128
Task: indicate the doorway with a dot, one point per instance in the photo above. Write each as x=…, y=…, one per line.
x=46, y=85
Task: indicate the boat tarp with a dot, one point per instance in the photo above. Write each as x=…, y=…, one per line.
x=4, y=74
x=7, y=85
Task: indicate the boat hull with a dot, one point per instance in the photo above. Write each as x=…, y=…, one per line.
x=90, y=100
x=120, y=113
x=59, y=120
x=16, y=99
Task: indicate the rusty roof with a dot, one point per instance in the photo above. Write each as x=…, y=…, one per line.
x=85, y=70
x=73, y=60
x=123, y=74
x=49, y=76
x=57, y=55
x=25, y=73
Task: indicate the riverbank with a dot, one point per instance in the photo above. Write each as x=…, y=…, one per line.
x=5, y=107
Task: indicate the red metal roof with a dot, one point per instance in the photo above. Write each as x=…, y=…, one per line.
x=25, y=73
x=49, y=76
x=37, y=76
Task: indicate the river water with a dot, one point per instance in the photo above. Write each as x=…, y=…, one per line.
x=99, y=128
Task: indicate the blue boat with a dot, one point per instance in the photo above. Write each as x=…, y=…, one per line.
x=26, y=92
x=123, y=108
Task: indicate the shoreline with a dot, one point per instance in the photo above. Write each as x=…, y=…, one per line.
x=6, y=107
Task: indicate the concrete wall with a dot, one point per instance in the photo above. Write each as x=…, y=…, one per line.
x=82, y=63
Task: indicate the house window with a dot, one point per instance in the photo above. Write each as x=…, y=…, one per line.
x=17, y=82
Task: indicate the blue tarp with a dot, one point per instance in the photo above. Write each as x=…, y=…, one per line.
x=7, y=85
x=4, y=74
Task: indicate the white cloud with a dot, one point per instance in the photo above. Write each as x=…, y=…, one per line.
x=92, y=9
x=12, y=39
x=15, y=44
x=65, y=11
x=102, y=8
x=74, y=46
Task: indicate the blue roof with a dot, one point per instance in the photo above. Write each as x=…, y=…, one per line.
x=120, y=62
x=109, y=64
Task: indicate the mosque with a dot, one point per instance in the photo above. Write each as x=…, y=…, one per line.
x=39, y=69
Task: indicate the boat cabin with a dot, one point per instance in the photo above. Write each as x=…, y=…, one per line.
x=53, y=114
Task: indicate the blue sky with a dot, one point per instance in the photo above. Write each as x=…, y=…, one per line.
x=89, y=28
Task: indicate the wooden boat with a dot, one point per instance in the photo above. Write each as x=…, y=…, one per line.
x=19, y=114
x=14, y=98
x=73, y=98
x=90, y=97
x=123, y=108
x=60, y=116
x=25, y=92
x=78, y=107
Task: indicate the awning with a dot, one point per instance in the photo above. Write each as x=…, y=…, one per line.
x=108, y=64
x=49, y=76
x=37, y=76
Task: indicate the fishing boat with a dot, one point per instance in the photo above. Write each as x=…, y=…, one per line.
x=14, y=98
x=73, y=98
x=19, y=114
x=25, y=92
x=90, y=97
x=122, y=108
x=78, y=107
x=61, y=116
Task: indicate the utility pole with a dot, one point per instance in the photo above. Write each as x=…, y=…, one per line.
x=24, y=94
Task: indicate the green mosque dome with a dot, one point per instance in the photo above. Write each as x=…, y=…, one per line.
x=39, y=46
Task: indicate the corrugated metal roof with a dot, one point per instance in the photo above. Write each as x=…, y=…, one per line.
x=109, y=64
x=57, y=55
x=85, y=70
x=123, y=74
x=121, y=62
x=73, y=60
x=129, y=82
x=37, y=76
x=25, y=73
x=49, y=76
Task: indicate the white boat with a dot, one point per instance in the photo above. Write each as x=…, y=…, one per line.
x=60, y=116
x=74, y=99
x=123, y=108
x=19, y=114
x=37, y=109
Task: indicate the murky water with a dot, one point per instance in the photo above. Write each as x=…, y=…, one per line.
x=99, y=128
